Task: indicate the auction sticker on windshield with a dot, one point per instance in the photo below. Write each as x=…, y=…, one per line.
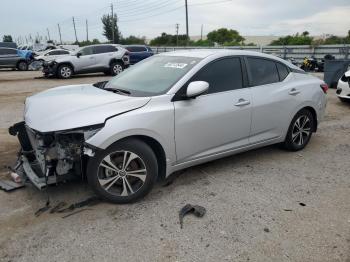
x=176, y=65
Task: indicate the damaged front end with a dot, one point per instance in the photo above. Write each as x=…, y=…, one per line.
x=50, y=158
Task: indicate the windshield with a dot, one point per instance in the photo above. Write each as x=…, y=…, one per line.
x=153, y=76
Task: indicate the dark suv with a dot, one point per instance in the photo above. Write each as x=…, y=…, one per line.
x=138, y=52
x=9, y=58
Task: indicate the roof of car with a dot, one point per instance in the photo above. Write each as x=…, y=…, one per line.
x=203, y=53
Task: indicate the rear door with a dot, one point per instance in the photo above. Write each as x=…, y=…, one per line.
x=103, y=54
x=218, y=121
x=272, y=96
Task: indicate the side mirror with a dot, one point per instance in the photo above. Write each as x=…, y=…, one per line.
x=196, y=88
x=78, y=54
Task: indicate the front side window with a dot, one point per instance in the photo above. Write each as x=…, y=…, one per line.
x=222, y=75
x=262, y=71
x=86, y=51
x=153, y=76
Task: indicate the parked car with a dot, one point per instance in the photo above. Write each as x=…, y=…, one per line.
x=107, y=58
x=138, y=52
x=12, y=58
x=51, y=55
x=166, y=113
x=8, y=44
x=343, y=88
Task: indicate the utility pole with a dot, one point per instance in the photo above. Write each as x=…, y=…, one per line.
x=112, y=23
x=59, y=32
x=75, y=31
x=87, y=30
x=186, y=21
x=177, y=34
x=48, y=34
x=202, y=32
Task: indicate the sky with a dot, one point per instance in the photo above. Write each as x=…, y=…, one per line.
x=150, y=18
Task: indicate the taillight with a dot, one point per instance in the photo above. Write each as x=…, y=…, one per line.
x=324, y=88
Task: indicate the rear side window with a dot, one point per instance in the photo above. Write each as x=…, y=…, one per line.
x=54, y=52
x=282, y=71
x=8, y=51
x=262, y=71
x=222, y=75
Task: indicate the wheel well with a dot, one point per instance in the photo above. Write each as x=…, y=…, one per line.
x=314, y=114
x=22, y=60
x=115, y=60
x=158, y=151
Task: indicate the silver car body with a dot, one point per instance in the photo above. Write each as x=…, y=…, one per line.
x=52, y=54
x=343, y=88
x=93, y=61
x=189, y=131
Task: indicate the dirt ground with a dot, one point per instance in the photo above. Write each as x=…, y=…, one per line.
x=262, y=205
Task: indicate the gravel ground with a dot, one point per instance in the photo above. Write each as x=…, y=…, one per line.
x=262, y=205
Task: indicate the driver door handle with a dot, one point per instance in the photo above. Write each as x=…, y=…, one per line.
x=242, y=102
x=294, y=92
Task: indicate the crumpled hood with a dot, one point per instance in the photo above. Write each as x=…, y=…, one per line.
x=75, y=106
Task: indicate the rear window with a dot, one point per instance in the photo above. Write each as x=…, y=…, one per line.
x=136, y=49
x=262, y=71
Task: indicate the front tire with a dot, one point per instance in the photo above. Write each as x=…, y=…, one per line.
x=22, y=66
x=300, y=131
x=123, y=173
x=116, y=68
x=65, y=71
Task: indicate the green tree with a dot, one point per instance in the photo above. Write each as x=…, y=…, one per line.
x=7, y=38
x=170, y=40
x=227, y=37
x=133, y=40
x=109, y=26
x=303, y=39
x=85, y=43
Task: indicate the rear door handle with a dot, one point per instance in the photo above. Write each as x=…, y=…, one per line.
x=294, y=92
x=242, y=102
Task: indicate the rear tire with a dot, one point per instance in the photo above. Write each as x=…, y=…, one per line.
x=123, y=173
x=116, y=68
x=300, y=131
x=65, y=71
x=22, y=66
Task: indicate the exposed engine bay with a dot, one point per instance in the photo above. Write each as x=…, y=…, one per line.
x=54, y=157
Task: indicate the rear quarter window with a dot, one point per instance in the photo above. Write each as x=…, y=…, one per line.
x=282, y=71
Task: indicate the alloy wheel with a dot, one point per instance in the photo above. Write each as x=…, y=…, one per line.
x=301, y=130
x=66, y=72
x=117, y=69
x=122, y=173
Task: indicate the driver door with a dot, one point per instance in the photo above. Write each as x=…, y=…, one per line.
x=218, y=121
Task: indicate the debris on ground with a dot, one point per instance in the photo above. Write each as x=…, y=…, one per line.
x=43, y=209
x=198, y=211
x=60, y=207
x=76, y=212
x=8, y=185
x=302, y=204
x=288, y=210
x=266, y=230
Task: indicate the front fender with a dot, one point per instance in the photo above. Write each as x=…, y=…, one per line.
x=155, y=120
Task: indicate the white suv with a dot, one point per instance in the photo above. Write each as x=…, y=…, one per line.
x=106, y=58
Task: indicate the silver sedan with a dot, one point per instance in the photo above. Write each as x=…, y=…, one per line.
x=166, y=113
